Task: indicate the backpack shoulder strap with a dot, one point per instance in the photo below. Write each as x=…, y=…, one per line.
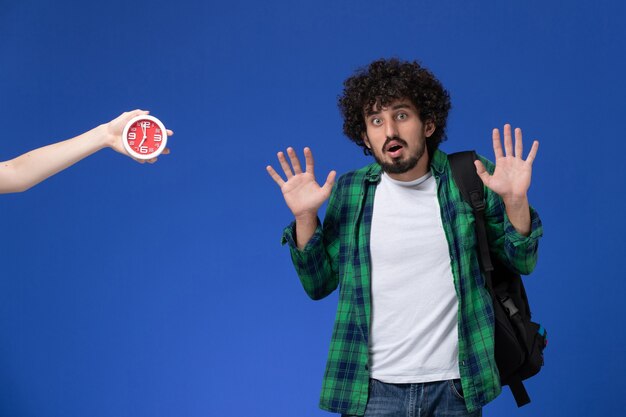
x=466, y=178
x=471, y=189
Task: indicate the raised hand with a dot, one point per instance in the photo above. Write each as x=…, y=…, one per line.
x=511, y=178
x=302, y=193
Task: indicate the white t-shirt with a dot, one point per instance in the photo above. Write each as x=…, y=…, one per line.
x=413, y=334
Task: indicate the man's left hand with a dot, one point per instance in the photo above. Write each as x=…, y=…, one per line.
x=511, y=178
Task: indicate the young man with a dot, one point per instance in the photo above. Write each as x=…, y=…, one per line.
x=31, y=168
x=414, y=326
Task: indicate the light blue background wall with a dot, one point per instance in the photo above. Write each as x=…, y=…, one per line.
x=220, y=325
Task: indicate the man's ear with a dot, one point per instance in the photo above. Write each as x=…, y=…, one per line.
x=429, y=128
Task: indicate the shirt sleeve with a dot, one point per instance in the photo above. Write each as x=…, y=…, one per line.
x=317, y=264
x=517, y=251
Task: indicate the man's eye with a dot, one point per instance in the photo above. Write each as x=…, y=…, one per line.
x=402, y=116
x=376, y=121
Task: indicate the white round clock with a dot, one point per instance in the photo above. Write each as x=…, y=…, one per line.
x=144, y=137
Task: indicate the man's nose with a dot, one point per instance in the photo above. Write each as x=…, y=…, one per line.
x=391, y=129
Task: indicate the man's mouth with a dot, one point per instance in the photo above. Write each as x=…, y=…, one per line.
x=393, y=147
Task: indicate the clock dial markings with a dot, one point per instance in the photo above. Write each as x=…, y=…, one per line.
x=152, y=142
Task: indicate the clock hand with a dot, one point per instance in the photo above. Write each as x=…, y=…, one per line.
x=144, y=127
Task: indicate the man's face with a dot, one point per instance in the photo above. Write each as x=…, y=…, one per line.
x=397, y=138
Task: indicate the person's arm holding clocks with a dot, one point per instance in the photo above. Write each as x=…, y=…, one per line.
x=27, y=170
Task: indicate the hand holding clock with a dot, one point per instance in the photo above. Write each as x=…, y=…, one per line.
x=25, y=171
x=122, y=138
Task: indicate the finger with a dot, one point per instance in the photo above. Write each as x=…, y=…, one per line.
x=137, y=112
x=330, y=180
x=285, y=166
x=152, y=160
x=295, y=162
x=134, y=113
x=508, y=140
x=482, y=171
x=519, y=147
x=310, y=164
x=170, y=132
x=497, y=145
x=166, y=151
x=277, y=179
x=533, y=152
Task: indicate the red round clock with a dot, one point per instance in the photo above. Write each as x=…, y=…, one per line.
x=144, y=137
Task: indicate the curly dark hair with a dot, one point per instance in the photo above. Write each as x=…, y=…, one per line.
x=385, y=81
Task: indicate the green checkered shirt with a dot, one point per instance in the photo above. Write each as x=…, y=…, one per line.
x=338, y=255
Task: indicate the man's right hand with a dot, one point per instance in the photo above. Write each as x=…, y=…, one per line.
x=302, y=193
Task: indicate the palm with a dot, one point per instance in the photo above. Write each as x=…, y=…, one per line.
x=303, y=195
x=511, y=177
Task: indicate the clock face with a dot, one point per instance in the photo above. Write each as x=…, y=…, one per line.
x=144, y=137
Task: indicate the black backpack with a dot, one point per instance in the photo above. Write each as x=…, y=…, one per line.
x=519, y=342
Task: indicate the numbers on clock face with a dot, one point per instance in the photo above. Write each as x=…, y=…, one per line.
x=145, y=137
